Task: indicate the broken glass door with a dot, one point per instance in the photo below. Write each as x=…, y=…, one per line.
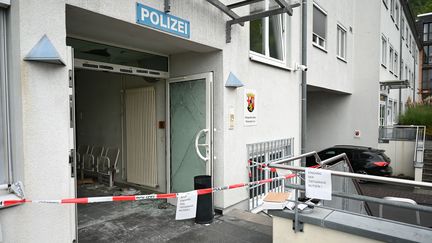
x=189, y=130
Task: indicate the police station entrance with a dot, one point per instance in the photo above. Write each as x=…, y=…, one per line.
x=143, y=116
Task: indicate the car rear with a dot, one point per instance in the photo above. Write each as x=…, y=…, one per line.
x=378, y=163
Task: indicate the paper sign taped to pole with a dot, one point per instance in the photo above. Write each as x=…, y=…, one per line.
x=186, y=205
x=318, y=184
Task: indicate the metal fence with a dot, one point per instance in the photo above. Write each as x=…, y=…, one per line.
x=259, y=156
x=341, y=194
x=401, y=133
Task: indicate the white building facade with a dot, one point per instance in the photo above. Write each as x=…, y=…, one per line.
x=124, y=49
x=366, y=46
x=183, y=71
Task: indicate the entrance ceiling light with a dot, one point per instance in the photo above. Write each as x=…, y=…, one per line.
x=44, y=51
x=284, y=7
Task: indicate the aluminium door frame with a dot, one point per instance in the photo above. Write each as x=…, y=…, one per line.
x=208, y=76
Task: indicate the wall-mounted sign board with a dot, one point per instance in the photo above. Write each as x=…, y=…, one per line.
x=250, y=107
x=159, y=20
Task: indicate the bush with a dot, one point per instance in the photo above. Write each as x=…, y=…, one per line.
x=420, y=114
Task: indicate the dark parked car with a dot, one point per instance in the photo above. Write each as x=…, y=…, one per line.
x=363, y=160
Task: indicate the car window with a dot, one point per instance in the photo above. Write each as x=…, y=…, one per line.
x=366, y=156
x=327, y=154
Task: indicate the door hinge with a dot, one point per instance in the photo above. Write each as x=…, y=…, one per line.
x=72, y=162
x=71, y=112
x=71, y=79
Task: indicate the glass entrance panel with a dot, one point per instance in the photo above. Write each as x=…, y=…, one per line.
x=187, y=112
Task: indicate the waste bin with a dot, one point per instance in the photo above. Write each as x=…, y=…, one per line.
x=204, y=214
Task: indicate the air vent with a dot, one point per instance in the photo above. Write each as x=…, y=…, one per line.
x=90, y=65
x=106, y=67
x=125, y=70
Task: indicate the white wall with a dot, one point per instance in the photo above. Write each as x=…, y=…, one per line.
x=325, y=69
x=334, y=116
x=401, y=154
x=41, y=107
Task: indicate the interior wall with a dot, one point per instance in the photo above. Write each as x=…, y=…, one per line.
x=99, y=115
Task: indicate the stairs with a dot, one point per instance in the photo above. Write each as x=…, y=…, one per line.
x=427, y=167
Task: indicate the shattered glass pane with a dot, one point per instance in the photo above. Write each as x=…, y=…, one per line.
x=187, y=118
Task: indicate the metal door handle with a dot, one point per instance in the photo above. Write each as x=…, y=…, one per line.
x=197, y=144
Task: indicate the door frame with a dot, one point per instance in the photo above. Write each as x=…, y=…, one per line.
x=209, y=122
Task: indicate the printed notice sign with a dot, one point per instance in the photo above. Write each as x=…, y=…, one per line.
x=186, y=205
x=318, y=184
x=250, y=107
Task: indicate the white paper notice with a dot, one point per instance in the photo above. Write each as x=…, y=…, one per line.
x=186, y=205
x=318, y=184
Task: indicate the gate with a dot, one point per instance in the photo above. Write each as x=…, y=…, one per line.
x=259, y=156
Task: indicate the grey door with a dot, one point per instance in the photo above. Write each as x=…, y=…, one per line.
x=189, y=133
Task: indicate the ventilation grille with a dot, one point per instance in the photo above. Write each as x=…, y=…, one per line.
x=107, y=67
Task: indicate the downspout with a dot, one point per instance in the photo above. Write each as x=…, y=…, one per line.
x=414, y=78
x=304, y=80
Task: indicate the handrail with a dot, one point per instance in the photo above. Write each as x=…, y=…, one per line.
x=370, y=199
x=314, y=153
x=354, y=175
x=404, y=126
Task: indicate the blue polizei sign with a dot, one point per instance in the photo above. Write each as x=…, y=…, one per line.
x=159, y=20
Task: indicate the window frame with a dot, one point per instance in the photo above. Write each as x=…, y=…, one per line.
x=385, y=3
x=341, y=29
x=266, y=58
x=402, y=28
x=392, y=9
x=396, y=64
x=384, y=48
x=5, y=131
x=428, y=33
x=391, y=56
x=316, y=36
x=397, y=14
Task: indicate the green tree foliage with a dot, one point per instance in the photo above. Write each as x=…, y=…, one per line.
x=420, y=6
x=418, y=115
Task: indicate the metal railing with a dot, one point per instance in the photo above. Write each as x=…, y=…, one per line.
x=297, y=187
x=259, y=156
x=402, y=133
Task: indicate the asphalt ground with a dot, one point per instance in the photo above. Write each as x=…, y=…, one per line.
x=154, y=221
x=380, y=190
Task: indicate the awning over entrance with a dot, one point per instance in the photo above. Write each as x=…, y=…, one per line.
x=87, y=25
x=395, y=84
x=283, y=7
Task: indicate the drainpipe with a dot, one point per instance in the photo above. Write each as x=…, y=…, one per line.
x=304, y=80
x=414, y=78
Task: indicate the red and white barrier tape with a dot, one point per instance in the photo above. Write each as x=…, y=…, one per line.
x=86, y=200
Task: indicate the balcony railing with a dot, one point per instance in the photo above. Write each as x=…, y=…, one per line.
x=401, y=133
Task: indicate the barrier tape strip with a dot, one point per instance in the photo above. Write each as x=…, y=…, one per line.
x=86, y=200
